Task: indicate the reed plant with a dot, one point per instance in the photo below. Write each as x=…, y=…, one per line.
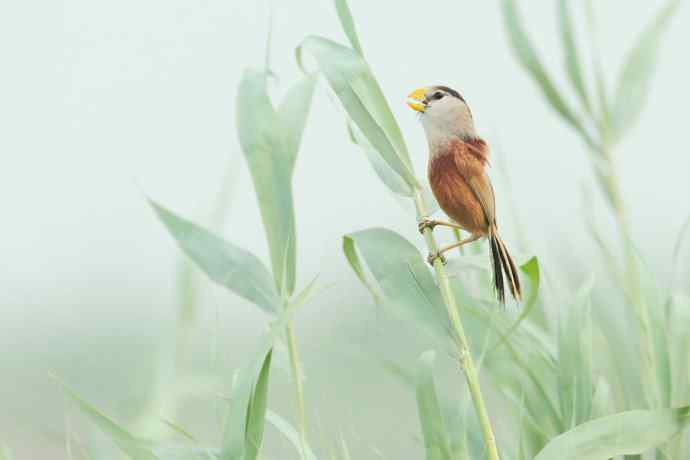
x=575, y=385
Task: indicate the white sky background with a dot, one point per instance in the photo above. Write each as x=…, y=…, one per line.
x=100, y=98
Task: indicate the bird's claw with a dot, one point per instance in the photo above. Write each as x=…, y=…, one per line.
x=426, y=223
x=431, y=258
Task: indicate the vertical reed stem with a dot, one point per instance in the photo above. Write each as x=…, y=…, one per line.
x=465, y=357
x=299, y=387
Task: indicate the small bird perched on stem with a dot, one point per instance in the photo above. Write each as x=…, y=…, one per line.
x=457, y=162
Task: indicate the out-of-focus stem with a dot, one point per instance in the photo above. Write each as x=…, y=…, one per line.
x=632, y=278
x=464, y=355
x=299, y=387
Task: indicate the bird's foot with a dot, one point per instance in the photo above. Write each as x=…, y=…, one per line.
x=426, y=223
x=431, y=258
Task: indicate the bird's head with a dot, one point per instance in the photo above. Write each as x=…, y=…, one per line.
x=443, y=112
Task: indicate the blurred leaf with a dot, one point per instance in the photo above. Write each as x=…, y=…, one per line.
x=653, y=321
x=5, y=452
x=344, y=449
x=223, y=262
x=183, y=452
x=352, y=81
x=430, y=416
x=575, y=359
x=135, y=448
x=683, y=238
x=287, y=430
x=679, y=344
x=292, y=113
x=572, y=59
x=270, y=161
x=256, y=412
x=390, y=178
x=408, y=289
x=531, y=269
x=602, y=94
x=528, y=58
x=244, y=425
x=637, y=72
x=348, y=24
x=602, y=401
x=631, y=432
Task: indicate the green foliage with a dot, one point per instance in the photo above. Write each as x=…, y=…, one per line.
x=435, y=437
x=270, y=141
x=401, y=281
x=244, y=426
x=226, y=264
x=625, y=433
x=568, y=371
x=351, y=79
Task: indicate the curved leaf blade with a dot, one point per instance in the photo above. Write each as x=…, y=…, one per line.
x=625, y=433
x=270, y=163
x=638, y=71
x=572, y=58
x=292, y=114
x=244, y=425
x=135, y=448
x=348, y=25
x=353, y=83
x=388, y=176
x=528, y=58
x=402, y=282
x=436, y=441
x=224, y=263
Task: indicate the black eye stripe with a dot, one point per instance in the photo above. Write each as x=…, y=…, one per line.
x=451, y=91
x=437, y=95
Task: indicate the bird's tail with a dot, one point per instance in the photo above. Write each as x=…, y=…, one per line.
x=503, y=265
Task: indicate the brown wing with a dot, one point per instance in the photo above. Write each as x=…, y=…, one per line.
x=471, y=159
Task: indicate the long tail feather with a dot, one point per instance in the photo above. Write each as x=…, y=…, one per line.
x=498, y=269
x=505, y=266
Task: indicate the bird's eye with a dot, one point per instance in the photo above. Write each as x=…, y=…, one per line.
x=437, y=95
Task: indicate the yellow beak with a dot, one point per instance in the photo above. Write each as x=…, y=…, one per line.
x=416, y=100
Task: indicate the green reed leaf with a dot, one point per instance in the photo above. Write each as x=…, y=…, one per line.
x=401, y=281
x=350, y=77
x=290, y=433
x=529, y=59
x=573, y=66
x=135, y=448
x=238, y=270
x=575, y=359
x=292, y=114
x=5, y=452
x=348, y=25
x=638, y=70
x=388, y=176
x=632, y=432
x=270, y=161
x=436, y=442
x=244, y=425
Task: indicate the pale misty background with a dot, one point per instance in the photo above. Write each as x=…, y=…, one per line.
x=106, y=102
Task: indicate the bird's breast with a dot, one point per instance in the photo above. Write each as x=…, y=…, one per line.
x=454, y=195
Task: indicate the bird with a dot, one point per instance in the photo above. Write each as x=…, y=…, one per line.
x=458, y=159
